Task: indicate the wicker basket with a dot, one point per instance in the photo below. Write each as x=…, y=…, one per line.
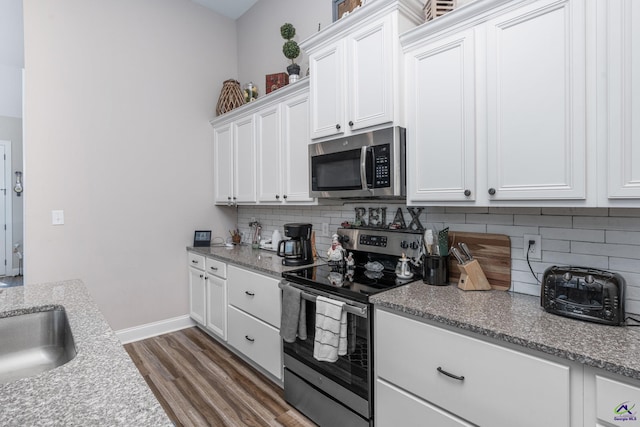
x=230, y=97
x=434, y=8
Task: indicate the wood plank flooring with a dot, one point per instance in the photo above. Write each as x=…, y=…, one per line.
x=199, y=382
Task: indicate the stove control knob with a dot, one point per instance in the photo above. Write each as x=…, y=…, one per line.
x=567, y=276
x=414, y=245
x=589, y=279
x=404, y=244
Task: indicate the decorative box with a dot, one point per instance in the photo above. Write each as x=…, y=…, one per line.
x=434, y=8
x=276, y=81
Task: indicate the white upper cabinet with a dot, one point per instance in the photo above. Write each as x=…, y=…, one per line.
x=234, y=157
x=354, y=67
x=623, y=102
x=496, y=101
x=283, y=155
x=244, y=175
x=536, y=102
x=441, y=134
x=269, y=156
x=295, y=151
x=223, y=164
x=261, y=150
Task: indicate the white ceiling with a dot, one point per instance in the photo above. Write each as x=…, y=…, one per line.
x=230, y=8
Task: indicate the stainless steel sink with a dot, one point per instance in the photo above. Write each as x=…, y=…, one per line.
x=33, y=343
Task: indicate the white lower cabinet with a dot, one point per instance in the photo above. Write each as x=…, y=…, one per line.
x=208, y=293
x=216, y=294
x=610, y=400
x=197, y=298
x=254, y=318
x=399, y=408
x=433, y=373
x=257, y=340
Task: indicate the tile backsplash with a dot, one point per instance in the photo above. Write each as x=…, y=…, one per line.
x=601, y=238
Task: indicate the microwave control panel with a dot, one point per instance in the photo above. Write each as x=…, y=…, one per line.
x=382, y=166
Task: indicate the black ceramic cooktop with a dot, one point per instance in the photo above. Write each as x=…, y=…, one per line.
x=355, y=283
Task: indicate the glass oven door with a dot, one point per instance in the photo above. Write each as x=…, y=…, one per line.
x=351, y=370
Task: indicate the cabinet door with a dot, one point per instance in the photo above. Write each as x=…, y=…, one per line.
x=370, y=75
x=440, y=99
x=216, y=290
x=269, y=156
x=295, y=149
x=536, y=102
x=244, y=161
x=197, y=298
x=485, y=384
x=223, y=164
x=327, y=91
x=623, y=58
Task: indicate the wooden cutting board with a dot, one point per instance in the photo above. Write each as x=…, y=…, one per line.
x=493, y=252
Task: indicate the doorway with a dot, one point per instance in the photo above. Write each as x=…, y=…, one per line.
x=6, y=210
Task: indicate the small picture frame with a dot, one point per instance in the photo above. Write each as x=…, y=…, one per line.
x=340, y=7
x=202, y=238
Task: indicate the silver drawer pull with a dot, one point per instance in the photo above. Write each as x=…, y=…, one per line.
x=194, y=261
x=251, y=294
x=214, y=268
x=248, y=338
x=450, y=375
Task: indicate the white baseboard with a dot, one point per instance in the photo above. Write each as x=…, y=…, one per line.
x=149, y=330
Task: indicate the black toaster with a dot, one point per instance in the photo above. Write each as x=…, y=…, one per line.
x=584, y=293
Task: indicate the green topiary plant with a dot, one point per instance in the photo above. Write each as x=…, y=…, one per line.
x=290, y=48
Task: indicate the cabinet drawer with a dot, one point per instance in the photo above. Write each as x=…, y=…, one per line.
x=501, y=387
x=217, y=268
x=254, y=293
x=196, y=260
x=255, y=339
x=396, y=407
x=615, y=401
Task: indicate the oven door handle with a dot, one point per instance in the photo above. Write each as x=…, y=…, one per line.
x=351, y=309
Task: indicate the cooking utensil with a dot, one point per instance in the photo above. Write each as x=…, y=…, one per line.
x=465, y=250
x=456, y=253
x=428, y=241
x=443, y=241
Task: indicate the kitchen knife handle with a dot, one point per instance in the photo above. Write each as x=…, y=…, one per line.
x=465, y=250
x=450, y=375
x=456, y=254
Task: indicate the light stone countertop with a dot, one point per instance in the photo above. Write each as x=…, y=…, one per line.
x=519, y=319
x=101, y=386
x=260, y=260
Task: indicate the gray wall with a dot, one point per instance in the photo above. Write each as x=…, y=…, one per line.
x=118, y=98
x=260, y=42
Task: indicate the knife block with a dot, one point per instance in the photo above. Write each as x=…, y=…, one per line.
x=472, y=277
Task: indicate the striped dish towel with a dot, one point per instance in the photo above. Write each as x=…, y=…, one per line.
x=331, y=330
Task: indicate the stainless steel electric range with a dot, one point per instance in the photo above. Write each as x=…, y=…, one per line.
x=341, y=393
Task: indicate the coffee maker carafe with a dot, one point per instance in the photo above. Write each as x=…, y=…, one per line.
x=297, y=250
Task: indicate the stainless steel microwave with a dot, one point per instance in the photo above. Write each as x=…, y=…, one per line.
x=369, y=164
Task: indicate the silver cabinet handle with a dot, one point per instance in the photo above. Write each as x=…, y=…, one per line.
x=194, y=261
x=201, y=276
x=248, y=338
x=214, y=268
x=251, y=294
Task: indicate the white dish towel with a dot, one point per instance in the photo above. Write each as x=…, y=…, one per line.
x=331, y=330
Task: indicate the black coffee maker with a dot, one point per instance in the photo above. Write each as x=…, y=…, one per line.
x=297, y=250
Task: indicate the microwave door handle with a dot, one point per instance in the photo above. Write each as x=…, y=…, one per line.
x=363, y=167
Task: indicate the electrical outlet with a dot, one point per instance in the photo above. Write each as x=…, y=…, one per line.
x=57, y=217
x=325, y=229
x=535, y=250
x=253, y=219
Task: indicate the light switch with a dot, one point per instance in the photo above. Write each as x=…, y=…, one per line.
x=57, y=217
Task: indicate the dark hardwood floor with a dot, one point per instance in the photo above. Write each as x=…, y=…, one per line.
x=201, y=383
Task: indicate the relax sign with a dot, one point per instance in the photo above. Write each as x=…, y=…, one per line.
x=377, y=218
